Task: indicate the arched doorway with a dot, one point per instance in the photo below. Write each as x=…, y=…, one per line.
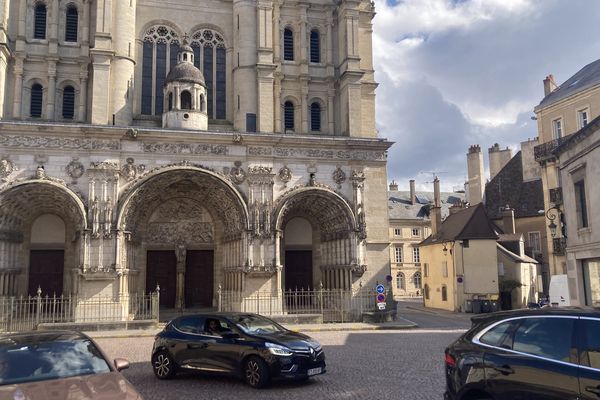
x=320, y=225
x=47, y=255
x=41, y=222
x=298, y=256
x=183, y=223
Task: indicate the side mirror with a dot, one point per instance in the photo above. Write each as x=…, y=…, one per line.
x=121, y=364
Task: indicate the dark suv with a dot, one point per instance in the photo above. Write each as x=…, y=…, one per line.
x=241, y=344
x=549, y=353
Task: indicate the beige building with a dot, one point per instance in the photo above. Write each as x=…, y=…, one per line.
x=410, y=224
x=268, y=174
x=564, y=110
x=460, y=260
x=578, y=157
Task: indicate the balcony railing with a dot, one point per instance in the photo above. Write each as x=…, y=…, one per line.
x=544, y=151
x=556, y=196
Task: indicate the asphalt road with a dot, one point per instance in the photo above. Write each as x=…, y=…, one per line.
x=405, y=364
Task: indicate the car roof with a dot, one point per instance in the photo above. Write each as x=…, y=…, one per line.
x=524, y=312
x=218, y=314
x=34, y=337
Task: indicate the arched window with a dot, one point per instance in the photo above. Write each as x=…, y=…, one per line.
x=209, y=56
x=37, y=93
x=315, y=46
x=161, y=46
x=426, y=291
x=444, y=293
x=39, y=25
x=288, y=44
x=71, y=25
x=186, y=100
x=170, y=101
x=201, y=102
x=68, y=109
x=288, y=115
x=417, y=280
x=400, y=284
x=315, y=117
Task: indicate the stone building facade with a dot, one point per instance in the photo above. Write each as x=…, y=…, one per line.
x=285, y=187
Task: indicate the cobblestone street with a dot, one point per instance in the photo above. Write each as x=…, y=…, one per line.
x=405, y=364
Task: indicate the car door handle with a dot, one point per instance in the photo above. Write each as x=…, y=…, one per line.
x=593, y=389
x=505, y=370
x=197, y=346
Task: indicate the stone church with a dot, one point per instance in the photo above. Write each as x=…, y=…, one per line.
x=192, y=144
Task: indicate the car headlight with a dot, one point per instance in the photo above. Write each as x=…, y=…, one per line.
x=278, y=350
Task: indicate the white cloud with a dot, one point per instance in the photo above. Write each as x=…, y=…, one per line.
x=455, y=73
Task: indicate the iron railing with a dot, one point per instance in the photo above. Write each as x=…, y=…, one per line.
x=333, y=305
x=27, y=313
x=544, y=151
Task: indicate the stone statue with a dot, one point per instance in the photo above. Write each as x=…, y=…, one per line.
x=40, y=172
x=107, y=215
x=95, y=210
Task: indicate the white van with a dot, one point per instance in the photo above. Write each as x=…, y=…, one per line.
x=559, y=291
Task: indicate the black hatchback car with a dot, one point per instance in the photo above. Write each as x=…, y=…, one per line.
x=250, y=346
x=549, y=353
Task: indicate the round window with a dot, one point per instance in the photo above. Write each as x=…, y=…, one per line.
x=186, y=116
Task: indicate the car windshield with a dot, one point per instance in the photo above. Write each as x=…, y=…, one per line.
x=255, y=324
x=49, y=360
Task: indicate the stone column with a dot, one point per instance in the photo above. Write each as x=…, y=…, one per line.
x=51, y=90
x=304, y=107
x=180, y=253
x=83, y=82
x=18, y=87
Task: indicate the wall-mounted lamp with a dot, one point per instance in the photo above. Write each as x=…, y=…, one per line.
x=551, y=215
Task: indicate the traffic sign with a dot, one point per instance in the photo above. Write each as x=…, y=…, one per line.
x=381, y=306
x=380, y=298
x=380, y=288
x=389, y=278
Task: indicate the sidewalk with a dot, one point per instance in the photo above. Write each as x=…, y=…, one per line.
x=400, y=323
x=436, y=311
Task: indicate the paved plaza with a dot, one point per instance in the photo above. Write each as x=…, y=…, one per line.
x=384, y=364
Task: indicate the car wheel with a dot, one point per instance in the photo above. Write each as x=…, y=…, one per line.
x=256, y=372
x=163, y=365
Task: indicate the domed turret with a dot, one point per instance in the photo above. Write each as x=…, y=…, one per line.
x=185, y=93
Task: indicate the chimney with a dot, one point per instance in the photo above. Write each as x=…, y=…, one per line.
x=476, y=183
x=456, y=207
x=436, y=214
x=393, y=186
x=549, y=85
x=508, y=219
x=498, y=159
x=413, y=196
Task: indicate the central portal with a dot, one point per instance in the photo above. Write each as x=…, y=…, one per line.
x=161, y=271
x=199, y=278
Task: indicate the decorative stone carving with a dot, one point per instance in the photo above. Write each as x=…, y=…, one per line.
x=358, y=270
x=107, y=209
x=6, y=168
x=339, y=177
x=104, y=165
x=40, y=172
x=180, y=232
x=237, y=174
x=40, y=159
x=132, y=133
x=285, y=174
x=95, y=217
x=359, y=155
x=59, y=143
x=185, y=148
x=260, y=170
x=237, y=138
x=75, y=169
x=130, y=171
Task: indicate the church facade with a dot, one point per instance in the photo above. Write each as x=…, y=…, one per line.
x=193, y=145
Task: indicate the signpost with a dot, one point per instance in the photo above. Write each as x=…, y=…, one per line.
x=380, y=289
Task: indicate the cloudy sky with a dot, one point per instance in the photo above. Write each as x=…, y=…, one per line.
x=453, y=73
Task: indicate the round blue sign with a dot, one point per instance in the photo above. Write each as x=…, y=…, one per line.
x=380, y=288
x=389, y=278
x=380, y=298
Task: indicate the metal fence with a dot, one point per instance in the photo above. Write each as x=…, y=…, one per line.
x=27, y=313
x=334, y=305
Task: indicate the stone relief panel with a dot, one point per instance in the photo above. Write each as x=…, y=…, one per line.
x=237, y=174
x=180, y=220
x=285, y=175
x=59, y=143
x=185, y=148
x=75, y=169
x=339, y=177
x=130, y=171
x=6, y=168
x=318, y=153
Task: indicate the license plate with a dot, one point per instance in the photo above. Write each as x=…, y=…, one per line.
x=314, y=371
